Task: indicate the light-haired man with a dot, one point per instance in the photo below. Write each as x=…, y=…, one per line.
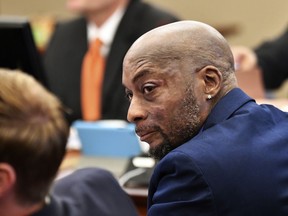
x=33, y=136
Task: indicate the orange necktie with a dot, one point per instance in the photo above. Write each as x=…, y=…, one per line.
x=91, y=82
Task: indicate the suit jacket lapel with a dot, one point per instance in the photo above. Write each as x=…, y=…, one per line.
x=123, y=39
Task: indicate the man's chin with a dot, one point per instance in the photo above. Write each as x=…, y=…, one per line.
x=159, y=151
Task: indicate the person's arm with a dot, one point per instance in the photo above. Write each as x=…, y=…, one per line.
x=178, y=188
x=245, y=59
x=272, y=58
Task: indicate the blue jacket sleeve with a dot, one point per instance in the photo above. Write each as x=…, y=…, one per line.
x=177, y=187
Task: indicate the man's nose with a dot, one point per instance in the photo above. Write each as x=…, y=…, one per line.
x=136, y=111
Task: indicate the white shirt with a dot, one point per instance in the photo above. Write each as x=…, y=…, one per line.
x=107, y=31
x=106, y=34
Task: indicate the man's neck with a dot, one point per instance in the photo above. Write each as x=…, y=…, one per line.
x=102, y=16
x=13, y=209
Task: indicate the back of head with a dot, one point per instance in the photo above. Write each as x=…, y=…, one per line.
x=33, y=134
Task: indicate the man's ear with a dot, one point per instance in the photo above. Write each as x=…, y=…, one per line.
x=212, y=78
x=7, y=178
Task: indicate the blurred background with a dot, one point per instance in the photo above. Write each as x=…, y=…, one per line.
x=243, y=22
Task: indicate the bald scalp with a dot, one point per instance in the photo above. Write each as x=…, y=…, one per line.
x=197, y=43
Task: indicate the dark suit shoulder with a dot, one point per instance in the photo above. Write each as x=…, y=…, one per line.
x=157, y=13
x=141, y=17
x=89, y=176
x=92, y=191
x=71, y=27
x=70, y=24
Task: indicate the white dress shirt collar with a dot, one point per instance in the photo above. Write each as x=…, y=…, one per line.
x=107, y=31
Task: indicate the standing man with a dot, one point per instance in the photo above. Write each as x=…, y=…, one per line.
x=220, y=152
x=117, y=24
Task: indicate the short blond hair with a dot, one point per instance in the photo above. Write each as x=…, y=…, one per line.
x=33, y=133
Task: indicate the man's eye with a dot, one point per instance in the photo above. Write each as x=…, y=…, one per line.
x=147, y=88
x=129, y=96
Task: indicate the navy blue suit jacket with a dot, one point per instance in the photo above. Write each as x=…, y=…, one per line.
x=237, y=165
x=88, y=192
x=68, y=45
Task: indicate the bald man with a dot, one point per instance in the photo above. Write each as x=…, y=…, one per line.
x=220, y=153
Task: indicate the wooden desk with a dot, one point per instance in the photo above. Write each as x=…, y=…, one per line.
x=74, y=160
x=139, y=196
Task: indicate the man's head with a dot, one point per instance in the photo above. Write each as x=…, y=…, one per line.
x=169, y=74
x=33, y=135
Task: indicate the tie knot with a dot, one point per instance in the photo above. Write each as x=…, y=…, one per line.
x=96, y=44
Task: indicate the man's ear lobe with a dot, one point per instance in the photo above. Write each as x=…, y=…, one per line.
x=212, y=78
x=7, y=178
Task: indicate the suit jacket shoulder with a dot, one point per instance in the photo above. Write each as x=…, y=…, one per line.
x=90, y=191
x=141, y=17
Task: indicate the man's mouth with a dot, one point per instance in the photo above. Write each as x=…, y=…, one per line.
x=144, y=135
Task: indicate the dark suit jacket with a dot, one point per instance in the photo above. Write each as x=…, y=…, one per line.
x=236, y=166
x=273, y=60
x=64, y=54
x=88, y=192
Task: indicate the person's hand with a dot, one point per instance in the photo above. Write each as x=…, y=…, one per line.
x=245, y=58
